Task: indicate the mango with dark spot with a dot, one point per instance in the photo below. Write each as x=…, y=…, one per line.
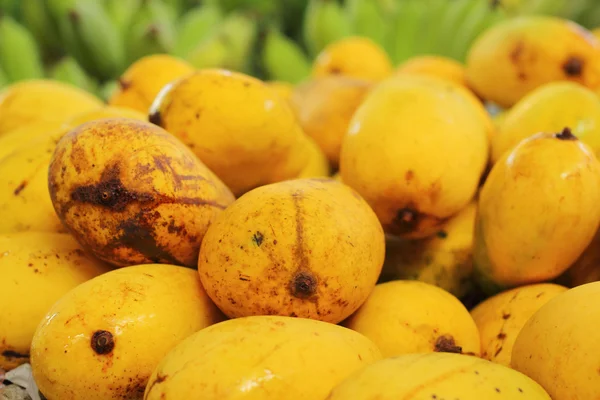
x=318, y=255
x=261, y=357
x=517, y=55
x=38, y=268
x=103, y=339
x=404, y=317
x=132, y=193
x=438, y=376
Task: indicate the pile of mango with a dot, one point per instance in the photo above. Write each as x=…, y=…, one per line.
x=420, y=231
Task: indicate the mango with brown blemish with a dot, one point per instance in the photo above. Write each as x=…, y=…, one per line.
x=403, y=317
x=236, y=124
x=515, y=56
x=103, y=339
x=103, y=113
x=434, y=65
x=132, y=193
x=25, y=102
x=310, y=248
x=143, y=80
x=537, y=211
x=415, y=150
x=324, y=106
x=354, y=56
x=37, y=269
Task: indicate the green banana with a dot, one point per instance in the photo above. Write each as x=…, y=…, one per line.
x=210, y=53
x=455, y=12
x=430, y=32
x=3, y=79
x=59, y=11
x=196, y=25
x=10, y=8
x=19, y=54
x=122, y=13
x=106, y=90
x=589, y=17
x=366, y=19
x=153, y=31
x=36, y=17
x=68, y=70
x=324, y=22
x=408, y=25
x=282, y=59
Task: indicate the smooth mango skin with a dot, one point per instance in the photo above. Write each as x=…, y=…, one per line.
x=500, y=318
x=35, y=100
x=37, y=269
x=317, y=165
x=354, y=56
x=142, y=81
x=556, y=347
x=434, y=65
x=103, y=339
x=23, y=136
x=283, y=89
x=437, y=376
x=550, y=108
x=415, y=150
x=325, y=106
x=537, y=212
x=587, y=267
x=239, y=127
x=261, y=358
x=131, y=193
x=520, y=54
x=403, y=317
x=103, y=113
x=310, y=248
x=444, y=260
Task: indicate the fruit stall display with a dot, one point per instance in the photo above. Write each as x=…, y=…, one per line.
x=315, y=199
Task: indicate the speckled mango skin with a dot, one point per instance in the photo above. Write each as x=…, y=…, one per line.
x=236, y=124
x=103, y=339
x=261, y=358
x=437, y=376
x=37, y=269
x=308, y=248
x=132, y=193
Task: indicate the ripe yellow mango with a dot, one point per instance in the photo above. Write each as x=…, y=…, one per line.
x=500, y=318
x=103, y=339
x=317, y=165
x=556, y=347
x=309, y=248
x=437, y=376
x=23, y=136
x=102, y=113
x=132, y=193
x=283, y=89
x=520, y=54
x=433, y=65
x=403, y=317
x=261, y=357
x=587, y=267
x=37, y=269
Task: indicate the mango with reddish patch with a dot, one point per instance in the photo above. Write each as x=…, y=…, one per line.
x=132, y=193
x=310, y=248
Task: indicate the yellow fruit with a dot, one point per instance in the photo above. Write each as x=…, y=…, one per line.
x=403, y=317
x=556, y=347
x=437, y=376
x=102, y=113
x=23, y=136
x=444, y=260
x=499, y=119
x=538, y=211
x=283, y=89
x=337, y=177
x=240, y=128
x=103, y=339
x=309, y=248
x=37, y=269
x=261, y=357
x=143, y=80
x=132, y=193
x=438, y=66
x=500, y=318
x=31, y=101
x=596, y=32
x=520, y=54
x=318, y=165
x=325, y=106
x=551, y=108
x=587, y=267
x=415, y=150
x=357, y=57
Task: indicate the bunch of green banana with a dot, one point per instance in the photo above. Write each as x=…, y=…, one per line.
x=195, y=26
x=19, y=54
x=367, y=18
x=68, y=70
x=36, y=17
x=283, y=59
x=325, y=21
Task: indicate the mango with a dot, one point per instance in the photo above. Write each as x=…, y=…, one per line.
x=437, y=376
x=535, y=216
x=103, y=339
x=415, y=150
x=317, y=165
x=131, y=193
x=23, y=136
x=550, y=108
x=283, y=89
x=354, y=56
x=500, y=318
x=239, y=127
x=103, y=113
x=261, y=357
x=434, y=65
x=309, y=248
x=519, y=54
x=37, y=269
x=556, y=345
x=403, y=317
x=587, y=267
